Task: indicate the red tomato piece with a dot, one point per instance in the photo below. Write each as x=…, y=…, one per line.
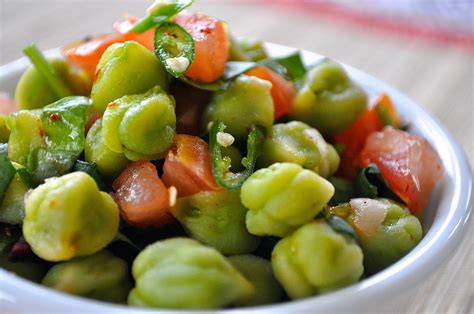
x=354, y=137
x=211, y=46
x=282, y=90
x=141, y=195
x=86, y=54
x=408, y=163
x=7, y=105
x=188, y=166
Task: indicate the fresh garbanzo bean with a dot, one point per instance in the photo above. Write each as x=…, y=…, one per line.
x=216, y=219
x=316, y=259
x=101, y=276
x=259, y=272
x=283, y=197
x=141, y=126
x=181, y=273
x=247, y=102
x=329, y=101
x=299, y=143
x=33, y=91
x=68, y=217
x=109, y=163
x=126, y=69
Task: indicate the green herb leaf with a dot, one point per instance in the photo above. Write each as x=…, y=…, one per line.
x=64, y=124
x=9, y=235
x=291, y=67
x=59, y=87
x=7, y=171
x=160, y=13
x=221, y=165
x=341, y=226
x=370, y=182
x=174, y=46
x=91, y=169
x=232, y=70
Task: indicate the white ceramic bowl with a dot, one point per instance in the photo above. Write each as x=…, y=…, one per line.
x=446, y=221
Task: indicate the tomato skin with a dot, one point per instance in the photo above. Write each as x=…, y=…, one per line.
x=141, y=195
x=282, y=90
x=86, y=54
x=211, y=46
x=354, y=137
x=408, y=163
x=188, y=166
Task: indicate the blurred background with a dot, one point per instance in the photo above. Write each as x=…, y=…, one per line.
x=425, y=48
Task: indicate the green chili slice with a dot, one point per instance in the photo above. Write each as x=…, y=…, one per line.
x=221, y=165
x=47, y=71
x=341, y=226
x=175, y=48
x=160, y=12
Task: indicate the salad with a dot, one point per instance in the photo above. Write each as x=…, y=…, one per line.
x=169, y=165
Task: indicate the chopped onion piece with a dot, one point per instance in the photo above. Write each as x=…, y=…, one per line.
x=368, y=214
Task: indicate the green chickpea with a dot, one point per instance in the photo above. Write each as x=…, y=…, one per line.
x=126, y=69
x=26, y=134
x=246, y=50
x=12, y=207
x=299, y=143
x=315, y=259
x=33, y=91
x=216, y=219
x=181, y=273
x=396, y=234
x=68, y=217
x=101, y=276
x=283, y=197
x=245, y=103
x=28, y=270
x=4, y=131
x=109, y=163
x=259, y=272
x=141, y=126
x=329, y=100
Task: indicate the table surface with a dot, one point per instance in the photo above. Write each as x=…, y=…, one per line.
x=438, y=76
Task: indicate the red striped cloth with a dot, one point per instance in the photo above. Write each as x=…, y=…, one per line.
x=443, y=21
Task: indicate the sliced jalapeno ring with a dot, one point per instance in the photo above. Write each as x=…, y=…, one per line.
x=221, y=165
x=175, y=48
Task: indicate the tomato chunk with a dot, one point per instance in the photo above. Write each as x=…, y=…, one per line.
x=141, y=195
x=86, y=54
x=382, y=112
x=7, y=105
x=408, y=163
x=211, y=46
x=188, y=166
x=282, y=90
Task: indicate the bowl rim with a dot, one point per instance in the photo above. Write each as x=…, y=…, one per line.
x=438, y=244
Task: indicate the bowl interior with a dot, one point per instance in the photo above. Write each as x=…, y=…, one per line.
x=444, y=222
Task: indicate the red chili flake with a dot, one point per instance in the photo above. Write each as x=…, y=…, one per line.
x=41, y=132
x=54, y=117
x=53, y=203
x=111, y=105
